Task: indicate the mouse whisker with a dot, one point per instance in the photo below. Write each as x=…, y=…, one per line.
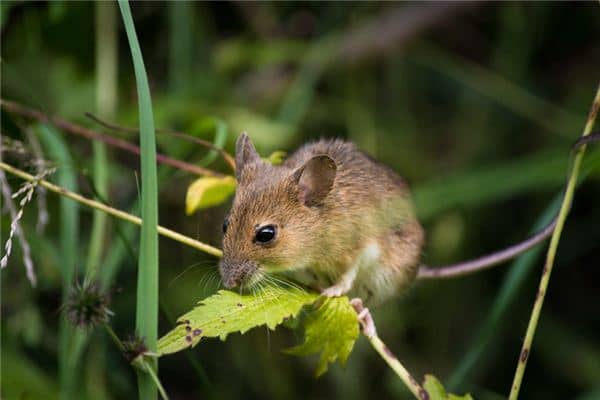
x=198, y=265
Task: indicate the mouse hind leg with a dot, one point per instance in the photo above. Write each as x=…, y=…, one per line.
x=399, y=261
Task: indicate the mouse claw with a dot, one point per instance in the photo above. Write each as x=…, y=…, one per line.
x=364, y=317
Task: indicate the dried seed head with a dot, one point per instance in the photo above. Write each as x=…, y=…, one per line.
x=87, y=305
x=134, y=347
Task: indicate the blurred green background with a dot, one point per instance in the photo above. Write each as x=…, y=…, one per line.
x=475, y=105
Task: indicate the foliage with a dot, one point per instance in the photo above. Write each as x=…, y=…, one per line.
x=227, y=312
x=331, y=327
x=146, y=314
x=277, y=157
x=476, y=107
x=208, y=191
x=436, y=390
x=331, y=330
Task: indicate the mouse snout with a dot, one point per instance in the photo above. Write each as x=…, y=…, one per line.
x=234, y=273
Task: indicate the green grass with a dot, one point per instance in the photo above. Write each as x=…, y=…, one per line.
x=57, y=149
x=147, y=288
x=477, y=115
x=106, y=100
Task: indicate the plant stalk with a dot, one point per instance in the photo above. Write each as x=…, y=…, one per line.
x=551, y=254
x=395, y=364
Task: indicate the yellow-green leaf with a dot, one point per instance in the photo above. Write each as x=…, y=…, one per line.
x=331, y=329
x=208, y=191
x=227, y=312
x=436, y=390
x=276, y=158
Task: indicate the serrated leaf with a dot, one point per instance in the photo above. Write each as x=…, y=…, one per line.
x=437, y=391
x=276, y=158
x=331, y=330
x=208, y=191
x=228, y=312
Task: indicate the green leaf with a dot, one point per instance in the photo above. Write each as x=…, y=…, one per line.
x=228, y=312
x=208, y=191
x=276, y=158
x=208, y=125
x=331, y=330
x=437, y=392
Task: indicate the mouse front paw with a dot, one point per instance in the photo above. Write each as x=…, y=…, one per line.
x=334, y=291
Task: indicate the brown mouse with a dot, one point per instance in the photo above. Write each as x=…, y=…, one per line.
x=335, y=219
x=329, y=216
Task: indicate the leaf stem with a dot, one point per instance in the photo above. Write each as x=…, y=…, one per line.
x=370, y=332
x=545, y=279
x=395, y=364
x=150, y=370
x=112, y=211
x=114, y=337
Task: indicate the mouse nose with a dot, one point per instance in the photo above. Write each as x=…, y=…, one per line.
x=233, y=273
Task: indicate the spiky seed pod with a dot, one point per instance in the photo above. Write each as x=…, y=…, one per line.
x=87, y=305
x=134, y=347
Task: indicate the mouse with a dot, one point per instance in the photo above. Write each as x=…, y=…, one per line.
x=334, y=219
x=329, y=217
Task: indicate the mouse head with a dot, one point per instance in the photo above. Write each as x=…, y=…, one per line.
x=276, y=218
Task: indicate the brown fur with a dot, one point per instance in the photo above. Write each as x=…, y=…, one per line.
x=332, y=205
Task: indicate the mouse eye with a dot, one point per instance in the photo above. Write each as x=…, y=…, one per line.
x=225, y=225
x=265, y=234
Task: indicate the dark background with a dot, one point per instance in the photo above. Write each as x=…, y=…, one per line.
x=475, y=105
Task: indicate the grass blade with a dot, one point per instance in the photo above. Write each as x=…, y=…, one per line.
x=57, y=150
x=147, y=289
x=106, y=100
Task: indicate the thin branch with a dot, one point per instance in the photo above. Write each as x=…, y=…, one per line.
x=546, y=272
x=112, y=211
x=184, y=136
x=395, y=364
x=370, y=332
x=72, y=128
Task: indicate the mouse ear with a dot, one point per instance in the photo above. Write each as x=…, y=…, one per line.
x=315, y=179
x=245, y=154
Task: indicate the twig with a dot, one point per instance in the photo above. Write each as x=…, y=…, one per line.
x=112, y=211
x=398, y=368
x=370, y=332
x=70, y=127
x=184, y=136
x=545, y=279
